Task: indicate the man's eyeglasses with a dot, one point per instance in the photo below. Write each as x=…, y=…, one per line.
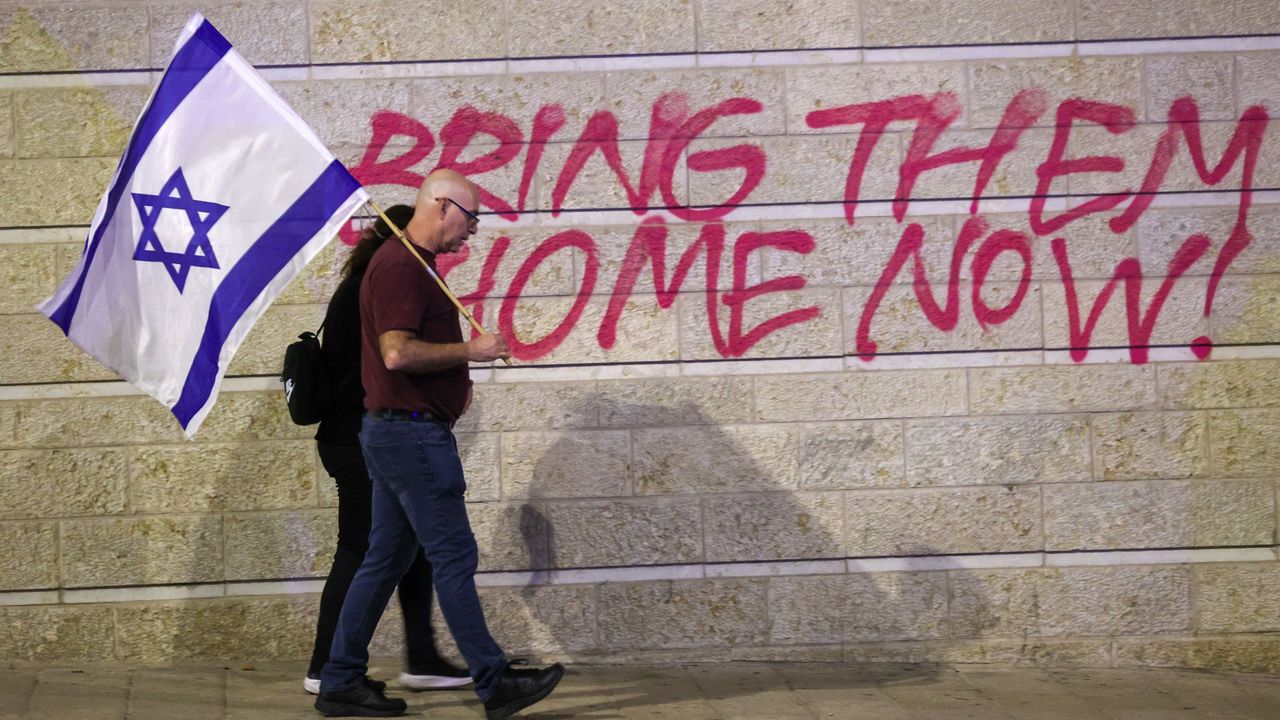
x=474, y=217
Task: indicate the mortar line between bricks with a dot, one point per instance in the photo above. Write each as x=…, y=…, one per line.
x=899, y=563
x=946, y=52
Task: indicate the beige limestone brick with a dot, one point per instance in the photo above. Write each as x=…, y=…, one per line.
x=822, y=88
x=1064, y=388
x=808, y=609
x=1161, y=233
x=858, y=395
x=339, y=110
x=87, y=422
x=1101, y=601
x=937, y=22
x=683, y=614
x=517, y=96
x=78, y=122
x=259, y=415
x=640, y=531
x=838, y=456
x=153, y=550
x=63, y=483
x=645, y=331
x=28, y=555
x=542, y=619
x=614, y=241
x=28, y=273
x=45, y=38
x=1181, y=317
x=817, y=336
x=1099, y=19
x=993, y=603
x=729, y=25
x=773, y=526
x=69, y=189
x=265, y=33
x=36, y=351
x=1149, y=445
x=1031, y=652
x=1250, y=383
x=1259, y=79
x=1159, y=514
x=1092, y=250
x=511, y=536
x=700, y=459
x=241, y=476
x=998, y=451
x=8, y=424
x=1209, y=79
x=1238, y=597
x=373, y=31
x=950, y=521
x=596, y=186
x=530, y=406
x=1238, y=653
x=1116, y=80
x=633, y=94
x=262, y=352
x=900, y=325
x=7, y=141
x=599, y=27
x=241, y=629
x=896, y=606
x=553, y=276
x=1135, y=148
x=798, y=169
x=594, y=463
x=280, y=544
x=683, y=401
x=1015, y=175
x=857, y=255
x=64, y=634
x=1245, y=310
x=1242, y=443
x=479, y=453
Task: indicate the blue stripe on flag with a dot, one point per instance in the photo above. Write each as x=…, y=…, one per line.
x=189, y=66
x=251, y=274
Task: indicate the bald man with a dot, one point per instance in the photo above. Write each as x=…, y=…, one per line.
x=414, y=367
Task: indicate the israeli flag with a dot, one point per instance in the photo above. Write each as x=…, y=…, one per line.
x=222, y=196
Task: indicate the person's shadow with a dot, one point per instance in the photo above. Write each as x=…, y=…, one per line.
x=660, y=536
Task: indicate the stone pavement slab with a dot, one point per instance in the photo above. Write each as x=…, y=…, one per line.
x=702, y=691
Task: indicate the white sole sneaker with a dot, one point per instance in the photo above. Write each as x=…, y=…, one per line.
x=432, y=682
x=311, y=685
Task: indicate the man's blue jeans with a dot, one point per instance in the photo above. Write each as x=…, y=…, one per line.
x=417, y=500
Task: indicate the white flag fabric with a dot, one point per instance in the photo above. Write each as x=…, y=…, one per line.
x=222, y=196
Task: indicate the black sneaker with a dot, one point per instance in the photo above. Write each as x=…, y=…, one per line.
x=311, y=684
x=364, y=699
x=438, y=674
x=520, y=688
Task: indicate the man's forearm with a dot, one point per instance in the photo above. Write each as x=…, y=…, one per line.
x=416, y=356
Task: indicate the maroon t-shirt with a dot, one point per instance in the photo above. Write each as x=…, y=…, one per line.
x=398, y=294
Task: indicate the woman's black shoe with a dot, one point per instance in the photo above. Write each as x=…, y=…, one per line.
x=518, y=689
x=364, y=699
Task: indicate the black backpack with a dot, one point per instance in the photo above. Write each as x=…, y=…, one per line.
x=307, y=389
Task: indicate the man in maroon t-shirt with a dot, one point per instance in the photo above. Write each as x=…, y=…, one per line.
x=414, y=367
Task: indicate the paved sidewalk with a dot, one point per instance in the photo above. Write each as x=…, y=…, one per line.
x=681, y=692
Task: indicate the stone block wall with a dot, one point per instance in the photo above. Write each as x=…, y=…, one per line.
x=899, y=331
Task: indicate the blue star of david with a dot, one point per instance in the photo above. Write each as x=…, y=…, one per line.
x=175, y=195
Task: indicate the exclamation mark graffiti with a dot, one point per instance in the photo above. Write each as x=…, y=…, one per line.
x=1236, y=243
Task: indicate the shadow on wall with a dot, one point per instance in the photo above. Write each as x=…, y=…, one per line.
x=628, y=515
